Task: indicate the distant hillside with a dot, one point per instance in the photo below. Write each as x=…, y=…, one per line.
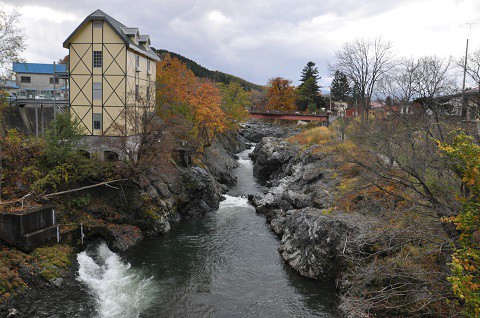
x=216, y=76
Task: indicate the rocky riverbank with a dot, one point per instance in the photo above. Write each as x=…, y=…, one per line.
x=331, y=231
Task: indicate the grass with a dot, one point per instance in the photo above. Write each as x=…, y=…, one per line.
x=53, y=260
x=315, y=136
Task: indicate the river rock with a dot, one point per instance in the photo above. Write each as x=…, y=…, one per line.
x=12, y=312
x=255, y=130
x=203, y=194
x=313, y=244
x=220, y=158
x=119, y=237
x=270, y=157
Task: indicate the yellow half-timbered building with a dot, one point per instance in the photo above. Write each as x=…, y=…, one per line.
x=112, y=76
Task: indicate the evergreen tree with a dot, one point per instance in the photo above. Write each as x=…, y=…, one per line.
x=388, y=101
x=340, y=90
x=308, y=90
x=356, y=95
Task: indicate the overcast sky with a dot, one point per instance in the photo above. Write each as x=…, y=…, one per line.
x=260, y=39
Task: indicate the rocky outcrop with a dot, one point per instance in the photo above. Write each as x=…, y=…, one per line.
x=161, y=196
x=314, y=244
x=202, y=193
x=296, y=205
x=255, y=130
x=220, y=158
x=297, y=180
x=271, y=156
x=315, y=240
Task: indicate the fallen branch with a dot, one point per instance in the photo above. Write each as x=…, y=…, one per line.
x=82, y=188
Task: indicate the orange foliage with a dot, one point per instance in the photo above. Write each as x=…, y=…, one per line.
x=175, y=82
x=281, y=95
x=198, y=102
x=208, y=115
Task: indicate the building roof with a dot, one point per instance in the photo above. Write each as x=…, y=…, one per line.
x=120, y=29
x=8, y=84
x=38, y=68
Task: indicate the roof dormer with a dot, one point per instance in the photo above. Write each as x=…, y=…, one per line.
x=145, y=41
x=132, y=33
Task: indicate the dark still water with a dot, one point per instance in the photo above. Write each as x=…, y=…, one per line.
x=223, y=265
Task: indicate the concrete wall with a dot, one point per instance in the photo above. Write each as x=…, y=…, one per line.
x=29, y=228
x=38, y=81
x=23, y=118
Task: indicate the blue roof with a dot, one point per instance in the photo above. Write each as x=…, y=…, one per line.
x=38, y=68
x=8, y=84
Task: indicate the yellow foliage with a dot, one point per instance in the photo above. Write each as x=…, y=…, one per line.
x=318, y=135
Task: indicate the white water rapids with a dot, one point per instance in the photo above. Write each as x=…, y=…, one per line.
x=120, y=290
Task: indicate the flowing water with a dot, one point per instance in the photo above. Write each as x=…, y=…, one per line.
x=223, y=265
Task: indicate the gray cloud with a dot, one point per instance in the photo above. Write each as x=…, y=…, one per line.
x=252, y=39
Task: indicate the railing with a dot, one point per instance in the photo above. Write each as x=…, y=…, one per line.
x=297, y=113
x=34, y=96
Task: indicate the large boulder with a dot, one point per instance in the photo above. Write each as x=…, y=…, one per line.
x=305, y=180
x=270, y=157
x=202, y=193
x=313, y=244
x=220, y=159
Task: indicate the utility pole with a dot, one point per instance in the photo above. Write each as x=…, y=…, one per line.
x=465, y=109
x=55, y=90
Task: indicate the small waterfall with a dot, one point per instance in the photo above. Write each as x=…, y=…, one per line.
x=120, y=290
x=231, y=201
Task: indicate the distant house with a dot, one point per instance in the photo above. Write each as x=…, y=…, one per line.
x=352, y=112
x=112, y=76
x=35, y=79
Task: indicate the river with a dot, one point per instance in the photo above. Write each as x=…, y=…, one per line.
x=223, y=265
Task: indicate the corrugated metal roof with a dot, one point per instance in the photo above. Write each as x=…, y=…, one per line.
x=38, y=68
x=120, y=29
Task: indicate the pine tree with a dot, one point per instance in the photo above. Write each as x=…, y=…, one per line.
x=308, y=90
x=340, y=90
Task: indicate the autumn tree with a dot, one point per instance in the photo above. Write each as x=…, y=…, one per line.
x=175, y=83
x=64, y=60
x=259, y=99
x=235, y=102
x=308, y=91
x=463, y=156
x=281, y=95
x=364, y=62
x=193, y=105
x=340, y=89
x=208, y=116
